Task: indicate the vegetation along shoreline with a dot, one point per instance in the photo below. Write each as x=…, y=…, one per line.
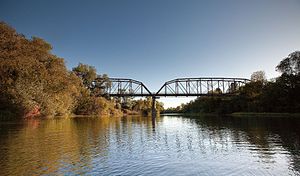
x=36, y=83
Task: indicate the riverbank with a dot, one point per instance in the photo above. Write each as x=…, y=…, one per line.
x=7, y=115
x=238, y=114
x=190, y=114
x=264, y=114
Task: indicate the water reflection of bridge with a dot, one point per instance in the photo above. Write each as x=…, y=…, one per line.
x=205, y=86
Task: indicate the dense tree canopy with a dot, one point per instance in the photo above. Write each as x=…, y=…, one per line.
x=32, y=77
x=36, y=82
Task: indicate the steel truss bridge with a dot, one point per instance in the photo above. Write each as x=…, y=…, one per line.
x=122, y=87
x=181, y=87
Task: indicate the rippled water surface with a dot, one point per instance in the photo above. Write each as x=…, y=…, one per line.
x=170, y=145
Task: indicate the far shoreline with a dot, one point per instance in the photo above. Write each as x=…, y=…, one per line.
x=238, y=114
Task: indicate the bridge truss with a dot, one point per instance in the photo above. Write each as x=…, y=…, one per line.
x=121, y=87
x=201, y=86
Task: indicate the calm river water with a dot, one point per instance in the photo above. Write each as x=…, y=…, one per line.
x=172, y=145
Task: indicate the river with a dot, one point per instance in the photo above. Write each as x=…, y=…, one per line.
x=170, y=145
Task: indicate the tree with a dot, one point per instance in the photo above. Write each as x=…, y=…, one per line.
x=32, y=78
x=95, y=83
x=290, y=65
x=87, y=73
x=258, y=76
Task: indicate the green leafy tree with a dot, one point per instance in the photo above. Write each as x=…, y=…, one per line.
x=258, y=76
x=290, y=65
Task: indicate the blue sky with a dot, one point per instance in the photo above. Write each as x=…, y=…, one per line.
x=158, y=40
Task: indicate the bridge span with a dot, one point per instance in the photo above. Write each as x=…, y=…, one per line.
x=204, y=86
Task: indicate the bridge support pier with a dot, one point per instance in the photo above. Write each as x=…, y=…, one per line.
x=153, y=107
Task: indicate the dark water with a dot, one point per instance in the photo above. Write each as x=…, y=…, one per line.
x=172, y=145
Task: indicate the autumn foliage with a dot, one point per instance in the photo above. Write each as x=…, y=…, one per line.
x=36, y=82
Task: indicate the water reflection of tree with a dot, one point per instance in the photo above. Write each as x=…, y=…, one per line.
x=264, y=133
x=44, y=149
x=56, y=146
x=65, y=145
